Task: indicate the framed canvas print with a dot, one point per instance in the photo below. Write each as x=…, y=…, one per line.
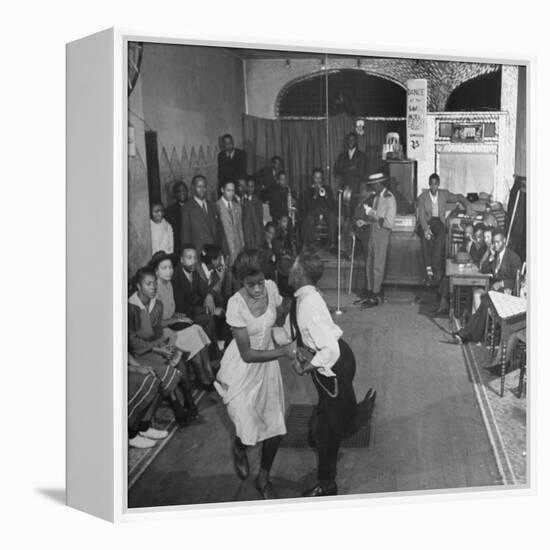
x=296, y=274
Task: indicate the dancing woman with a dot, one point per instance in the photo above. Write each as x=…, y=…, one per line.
x=249, y=380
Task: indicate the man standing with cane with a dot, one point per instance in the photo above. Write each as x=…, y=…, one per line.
x=382, y=218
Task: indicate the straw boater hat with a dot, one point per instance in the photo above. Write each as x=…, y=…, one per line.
x=379, y=177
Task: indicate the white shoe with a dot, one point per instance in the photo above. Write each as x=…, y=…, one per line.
x=152, y=433
x=140, y=442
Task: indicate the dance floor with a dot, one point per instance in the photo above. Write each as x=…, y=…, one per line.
x=428, y=430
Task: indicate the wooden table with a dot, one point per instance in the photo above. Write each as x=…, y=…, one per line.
x=463, y=275
x=511, y=313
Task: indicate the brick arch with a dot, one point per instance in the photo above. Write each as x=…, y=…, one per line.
x=287, y=86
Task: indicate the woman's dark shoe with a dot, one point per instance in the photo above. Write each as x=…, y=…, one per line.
x=322, y=490
x=240, y=459
x=192, y=411
x=266, y=489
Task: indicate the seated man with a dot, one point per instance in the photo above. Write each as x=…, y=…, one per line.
x=431, y=216
x=503, y=264
x=193, y=297
x=318, y=201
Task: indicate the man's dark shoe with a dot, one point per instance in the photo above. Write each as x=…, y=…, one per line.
x=322, y=490
x=371, y=301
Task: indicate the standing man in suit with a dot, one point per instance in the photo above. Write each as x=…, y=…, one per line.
x=351, y=165
x=279, y=196
x=199, y=223
x=432, y=205
x=231, y=162
x=174, y=212
x=382, y=218
x=323, y=353
x=231, y=227
x=503, y=264
x=361, y=228
x=253, y=227
x=267, y=176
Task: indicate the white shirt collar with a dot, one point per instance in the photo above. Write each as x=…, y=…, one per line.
x=200, y=202
x=351, y=152
x=433, y=197
x=305, y=290
x=135, y=301
x=207, y=272
x=226, y=202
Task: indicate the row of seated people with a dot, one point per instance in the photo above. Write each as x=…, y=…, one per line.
x=486, y=247
x=177, y=328
x=175, y=325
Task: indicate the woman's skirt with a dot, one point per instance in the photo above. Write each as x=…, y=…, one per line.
x=191, y=340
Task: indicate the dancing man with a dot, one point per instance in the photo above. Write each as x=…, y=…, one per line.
x=330, y=361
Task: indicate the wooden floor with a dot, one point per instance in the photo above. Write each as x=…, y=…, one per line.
x=428, y=432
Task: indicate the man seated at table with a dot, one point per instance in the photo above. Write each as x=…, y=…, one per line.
x=475, y=246
x=503, y=264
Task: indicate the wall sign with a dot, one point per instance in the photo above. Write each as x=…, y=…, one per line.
x=417, y=106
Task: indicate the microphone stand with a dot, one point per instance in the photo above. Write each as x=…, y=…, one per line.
x=339, y=311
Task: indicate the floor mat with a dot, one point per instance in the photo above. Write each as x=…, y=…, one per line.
x=298, y=425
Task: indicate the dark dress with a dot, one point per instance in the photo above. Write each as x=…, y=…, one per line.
x=145, y=332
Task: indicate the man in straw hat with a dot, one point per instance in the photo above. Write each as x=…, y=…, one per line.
x=381, y=217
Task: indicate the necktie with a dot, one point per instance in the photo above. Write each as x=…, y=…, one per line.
x=204, y=207
x=230, y=212
x=498, y=264
x=375, y=204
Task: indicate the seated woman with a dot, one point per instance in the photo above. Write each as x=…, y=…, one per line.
x=144, y=397
x=249, y=380
x=178, y=327
x=148, y=343
x=213, y=270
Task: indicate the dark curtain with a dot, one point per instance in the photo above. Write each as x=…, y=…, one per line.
x=302, y=144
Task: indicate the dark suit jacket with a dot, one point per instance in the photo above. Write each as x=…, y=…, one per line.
x=229, y=169
x=173, y=215
x=507, y=269
x=189, y=296
x=253, y=226
x=197, y=227
x=277, y=197
x=351, y=171
x=266, y=178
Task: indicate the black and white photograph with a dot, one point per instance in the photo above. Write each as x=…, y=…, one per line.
x=327, y=274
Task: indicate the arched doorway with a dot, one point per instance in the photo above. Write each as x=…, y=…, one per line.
x=351, y=92
x=481, y=93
